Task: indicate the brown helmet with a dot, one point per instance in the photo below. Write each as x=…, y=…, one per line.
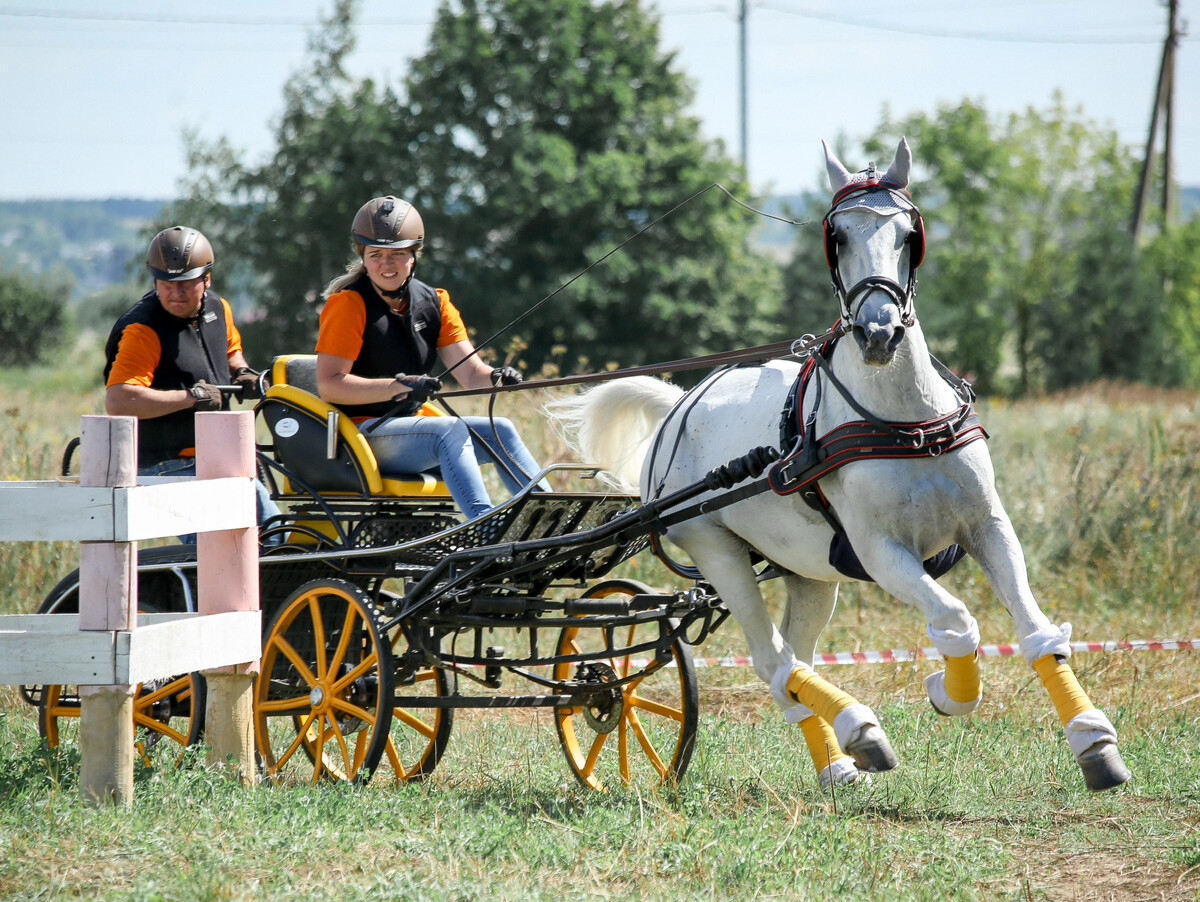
x=178, y=254
x=388, y=222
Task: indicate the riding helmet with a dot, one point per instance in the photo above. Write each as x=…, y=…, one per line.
x=178, y=254
x=388, y=222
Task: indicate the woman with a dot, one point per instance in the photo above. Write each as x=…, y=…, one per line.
x=382, y=332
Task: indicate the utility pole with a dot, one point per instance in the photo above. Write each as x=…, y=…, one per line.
x=1163, y=104
x=743, y=13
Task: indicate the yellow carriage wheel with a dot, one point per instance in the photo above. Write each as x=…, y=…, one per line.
x=323, y=699
x=168, y=716
x=641, y=733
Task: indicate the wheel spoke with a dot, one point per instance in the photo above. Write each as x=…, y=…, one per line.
x=339, y=654
x=297, y=742
x=593, y=754
x=413, y=722
x=282, y=705
x=340, y=704
x=647, y=746
x=342, y=682
x=318, y=628
x=653, y=707
x=158, y=726
x=296, y=659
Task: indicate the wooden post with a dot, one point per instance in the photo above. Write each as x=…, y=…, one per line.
x=227, y=562
x=107, y=601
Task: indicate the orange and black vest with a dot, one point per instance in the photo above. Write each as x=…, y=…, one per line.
x=192, y=350
x=395, y=342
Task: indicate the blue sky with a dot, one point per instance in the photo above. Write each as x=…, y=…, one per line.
x=95, y=97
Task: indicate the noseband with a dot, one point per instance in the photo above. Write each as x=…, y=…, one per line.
x=853, y=195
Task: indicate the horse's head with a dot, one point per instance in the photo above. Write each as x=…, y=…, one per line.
x=874, y=242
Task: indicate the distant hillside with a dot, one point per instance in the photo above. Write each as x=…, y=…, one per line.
x=98, y=243
x=91, y=241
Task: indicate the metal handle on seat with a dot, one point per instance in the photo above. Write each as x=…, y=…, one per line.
x=331, y=434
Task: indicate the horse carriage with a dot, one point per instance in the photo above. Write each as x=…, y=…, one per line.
x=381, y=609
x=868, y=462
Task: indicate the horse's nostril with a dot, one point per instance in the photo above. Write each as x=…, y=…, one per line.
x=897, y=337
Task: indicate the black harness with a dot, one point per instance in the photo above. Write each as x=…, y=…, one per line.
x=811, y=456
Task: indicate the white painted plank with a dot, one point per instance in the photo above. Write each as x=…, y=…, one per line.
x=64, y=511
x=50, y=648
x=189, y=505
x=182, y=643
x=47, y=511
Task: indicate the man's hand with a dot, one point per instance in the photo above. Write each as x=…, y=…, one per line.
x=248, y=380
x=506, y=375
x=421, y=388
x=205, y=395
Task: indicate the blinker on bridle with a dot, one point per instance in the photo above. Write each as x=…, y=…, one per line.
x=903, y=295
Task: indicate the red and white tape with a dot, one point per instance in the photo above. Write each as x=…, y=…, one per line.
x=901, y=655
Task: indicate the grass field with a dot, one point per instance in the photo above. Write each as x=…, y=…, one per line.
x=1102, y=486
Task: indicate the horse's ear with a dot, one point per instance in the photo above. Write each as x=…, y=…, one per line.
x=839, y=177
x=898, y=172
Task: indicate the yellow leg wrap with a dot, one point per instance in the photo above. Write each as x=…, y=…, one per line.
x=822, y=744
x=1068, y=696
x=820, y=695
x=962, y=678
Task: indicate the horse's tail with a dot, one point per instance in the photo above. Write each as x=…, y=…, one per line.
x=612, y=425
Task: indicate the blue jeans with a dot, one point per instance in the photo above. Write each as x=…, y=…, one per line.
x=186, y=466
x=420, y=444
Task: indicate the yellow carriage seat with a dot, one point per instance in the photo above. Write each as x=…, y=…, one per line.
x=324, y=447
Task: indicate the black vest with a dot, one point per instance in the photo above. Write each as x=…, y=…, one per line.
x=191, y=350
x=395, y=342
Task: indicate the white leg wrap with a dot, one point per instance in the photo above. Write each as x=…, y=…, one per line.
x=1053, y=640
x=935, y=687
x=1086, y=729
x=797, y=713
x=779, y=682
x=841, y=772
x=953, y=644
x=851, y=721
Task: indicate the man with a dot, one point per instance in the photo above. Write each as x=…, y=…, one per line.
x=167, y=354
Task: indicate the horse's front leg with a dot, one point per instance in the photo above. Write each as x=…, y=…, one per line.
x=957, y=690
x=1046, y=648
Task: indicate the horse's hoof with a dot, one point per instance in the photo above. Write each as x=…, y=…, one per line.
x=1103, y=767
x=842, y=772
x=871, y=751
x=940, y=700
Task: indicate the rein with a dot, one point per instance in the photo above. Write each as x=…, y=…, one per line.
x=799, y=347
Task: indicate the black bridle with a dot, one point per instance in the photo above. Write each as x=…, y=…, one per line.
x=903, y=295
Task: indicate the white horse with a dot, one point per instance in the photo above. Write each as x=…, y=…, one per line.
x=896, y=511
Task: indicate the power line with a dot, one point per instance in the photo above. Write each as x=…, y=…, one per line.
x=162, y=19
x=965, y=35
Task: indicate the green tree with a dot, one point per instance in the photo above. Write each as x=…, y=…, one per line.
x=534, y=136
x=1172, y=261
x=32, y=324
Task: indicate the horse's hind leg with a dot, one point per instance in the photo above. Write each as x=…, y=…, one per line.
x=1046, y=648
x=834, y=714
x=810, y=604
x=855, y=725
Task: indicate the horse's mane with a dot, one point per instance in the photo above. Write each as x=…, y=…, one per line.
x=612, y=425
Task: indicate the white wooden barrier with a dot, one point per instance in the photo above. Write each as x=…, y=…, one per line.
x=107, y=649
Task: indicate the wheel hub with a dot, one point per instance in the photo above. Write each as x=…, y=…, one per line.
x=602, y=706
